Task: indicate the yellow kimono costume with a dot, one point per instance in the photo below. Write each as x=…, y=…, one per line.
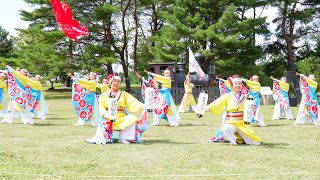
x=188, y=99
x=4, y=88
x=230, y=102
x=125, y=100
x=103, y=87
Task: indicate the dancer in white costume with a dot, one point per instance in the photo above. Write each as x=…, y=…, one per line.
x=309, y=106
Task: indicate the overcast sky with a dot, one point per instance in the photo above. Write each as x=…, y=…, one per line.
x=9, y=15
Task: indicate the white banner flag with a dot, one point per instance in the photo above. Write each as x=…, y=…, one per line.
x=194, y=65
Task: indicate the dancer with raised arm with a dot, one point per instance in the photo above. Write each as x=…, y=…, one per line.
x=128, y=125
x=254, y=92
x=3, y=91
x=169, y=111
x=188, y=99
x=234, y=130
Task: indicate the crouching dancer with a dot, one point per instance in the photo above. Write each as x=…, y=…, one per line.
x=128, y=126
x=234, y=129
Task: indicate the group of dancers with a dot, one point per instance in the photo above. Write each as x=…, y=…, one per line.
x=26, y=98
x=111, y=110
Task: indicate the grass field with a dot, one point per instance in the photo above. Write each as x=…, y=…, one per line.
x=55, y=148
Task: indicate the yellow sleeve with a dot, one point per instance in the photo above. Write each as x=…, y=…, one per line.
x=131, y=103
x=3, y=85
x=226, y=82
x=217, y=106
x=283, y=85
x=20, y=77
x=103, y=103
x=90, y=85
x=166, y=81
x=312, y=83
x=254, y=86
x=103, y=87
x=34, y=84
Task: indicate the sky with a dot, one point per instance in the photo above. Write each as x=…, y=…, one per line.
x=9, y=15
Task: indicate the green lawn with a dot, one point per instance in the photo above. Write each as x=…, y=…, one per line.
x=55, y=148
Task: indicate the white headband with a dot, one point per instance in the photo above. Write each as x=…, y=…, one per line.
x=311, y=76
x=24, y=70
x=254, y=77
x=236, y=80
x=92, y=73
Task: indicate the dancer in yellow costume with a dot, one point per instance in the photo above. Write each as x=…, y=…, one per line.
x=234, y=129
x=188, y=99
x=254, y=92
x=168, y=113
x=125, y=123
x=3, y=91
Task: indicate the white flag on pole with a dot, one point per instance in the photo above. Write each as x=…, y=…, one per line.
x=194, y=65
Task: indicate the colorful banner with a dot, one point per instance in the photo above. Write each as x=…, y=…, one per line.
x=256, y=101
x=83, y=101
x=161, y=99
x=69, y=26
x=17, y=91
x=309, y=97
x=280, y=96
x=223, y=88
x=2, y=100
x=33, y=98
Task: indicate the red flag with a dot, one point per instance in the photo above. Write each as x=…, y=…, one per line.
x=69, y=26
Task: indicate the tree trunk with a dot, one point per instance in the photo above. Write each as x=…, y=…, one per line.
x=135, y=45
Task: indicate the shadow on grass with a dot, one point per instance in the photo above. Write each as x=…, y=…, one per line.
x=270, y=125
x=275, y=145
x=50, y=124
x=162, y=141
x=64, y=96
x=194, y=125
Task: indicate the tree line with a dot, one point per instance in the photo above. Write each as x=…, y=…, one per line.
x=136, y=32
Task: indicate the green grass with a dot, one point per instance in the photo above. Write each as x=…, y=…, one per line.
x=55, y=148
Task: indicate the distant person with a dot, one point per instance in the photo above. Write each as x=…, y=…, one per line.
x=169, y=112
x=188, y=99
x=42, y=108
x=309, y=106
x=254, y=92
x=281, y=98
